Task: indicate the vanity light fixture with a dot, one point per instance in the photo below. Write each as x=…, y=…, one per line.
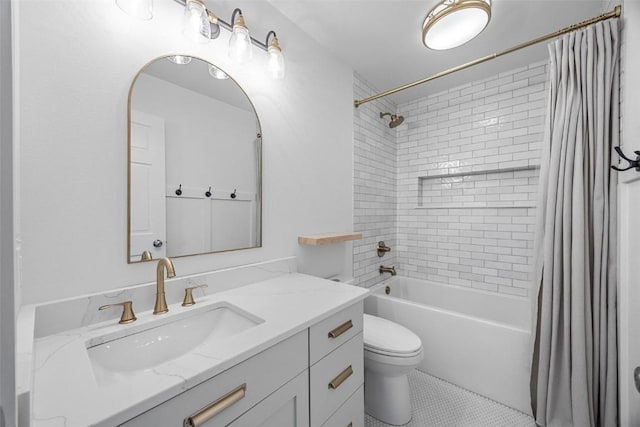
x=199, y=25
x=452, y=23
x=179, y=59
x=240, y=42
x=276, y=61
x=141, y=9
x=217, y=73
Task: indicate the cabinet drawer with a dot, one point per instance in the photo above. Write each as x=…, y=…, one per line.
x=331, y=333
x=262, y=374
x=334, y=378
x=351, y=414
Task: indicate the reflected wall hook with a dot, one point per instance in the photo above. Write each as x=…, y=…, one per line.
x=179, y=191
x=632, y=163
x=208, y=193
x=233, y=195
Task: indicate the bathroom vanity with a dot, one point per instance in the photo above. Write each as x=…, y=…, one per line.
x=286, y=351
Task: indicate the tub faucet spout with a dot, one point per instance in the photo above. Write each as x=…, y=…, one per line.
x=384, y=269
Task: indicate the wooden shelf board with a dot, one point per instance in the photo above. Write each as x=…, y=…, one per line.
x=325, y=239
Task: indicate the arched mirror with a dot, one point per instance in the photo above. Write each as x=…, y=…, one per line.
x=194, y=162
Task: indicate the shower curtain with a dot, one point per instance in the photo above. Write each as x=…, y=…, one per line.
x=574, y=369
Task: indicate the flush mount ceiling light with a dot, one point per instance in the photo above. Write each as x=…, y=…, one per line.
x=452, y=23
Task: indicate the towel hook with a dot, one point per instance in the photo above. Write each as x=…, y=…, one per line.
x=233, y=195
x=632, y=163
x=208, y=193
x=179, y=191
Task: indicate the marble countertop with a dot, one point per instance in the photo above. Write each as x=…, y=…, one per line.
x=65, y=391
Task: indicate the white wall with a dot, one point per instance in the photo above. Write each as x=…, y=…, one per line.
x=628, y=232
x=7, y=304
x=209, y=142
x=75, y=68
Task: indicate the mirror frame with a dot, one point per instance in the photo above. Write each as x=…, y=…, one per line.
x=258, y=165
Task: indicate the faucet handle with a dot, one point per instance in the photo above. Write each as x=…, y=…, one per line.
x=127, y=316
x=382, y=248
x=188, y=295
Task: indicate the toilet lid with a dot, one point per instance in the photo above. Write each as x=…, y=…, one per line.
x=387, y=337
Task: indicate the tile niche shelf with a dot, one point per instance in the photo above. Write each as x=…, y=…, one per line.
x=514, y=187
x=325, y=239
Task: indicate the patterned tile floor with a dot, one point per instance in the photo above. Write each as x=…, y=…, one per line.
x=437, y=403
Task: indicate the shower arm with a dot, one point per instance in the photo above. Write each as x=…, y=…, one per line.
x=615, y=13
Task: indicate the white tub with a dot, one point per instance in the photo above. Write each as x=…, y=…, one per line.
x=477, y=340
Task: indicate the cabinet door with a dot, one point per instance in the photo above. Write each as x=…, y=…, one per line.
x=286, y=407
x=260, y=375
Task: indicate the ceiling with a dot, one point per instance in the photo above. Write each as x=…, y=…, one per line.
x=381, y=39
x=195, y=77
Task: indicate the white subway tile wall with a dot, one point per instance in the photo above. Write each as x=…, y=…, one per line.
x=467, y=176
x=375, y=200
x=452, y=190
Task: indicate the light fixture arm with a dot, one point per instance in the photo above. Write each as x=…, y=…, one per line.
x=266, y=40
x=234, y=13
x=229, y=27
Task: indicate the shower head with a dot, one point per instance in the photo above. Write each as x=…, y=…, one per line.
x=395, y=120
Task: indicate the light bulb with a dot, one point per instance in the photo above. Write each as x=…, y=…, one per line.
x=217, y=73
x=276, y=61
x=240, y=42
x=179, y=59
x=196, y=22
x=141, y=9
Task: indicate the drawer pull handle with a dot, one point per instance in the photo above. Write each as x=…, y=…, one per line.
x=350, y=425
x=341, y=329
x=213, y=409
x=335, y=383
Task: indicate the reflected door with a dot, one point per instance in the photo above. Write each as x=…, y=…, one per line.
x=148, y=217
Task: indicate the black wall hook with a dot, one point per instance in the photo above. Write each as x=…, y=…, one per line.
x=233, y=195
x=632, y=163
x=208, y=193
x=179, y=191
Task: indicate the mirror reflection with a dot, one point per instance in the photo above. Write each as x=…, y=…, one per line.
x=194, y=162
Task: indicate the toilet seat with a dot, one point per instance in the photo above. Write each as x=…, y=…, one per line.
x=387, y=338
x=393, y=354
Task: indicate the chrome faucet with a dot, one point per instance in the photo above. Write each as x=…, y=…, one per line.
x=384, y=269
x=161, y=302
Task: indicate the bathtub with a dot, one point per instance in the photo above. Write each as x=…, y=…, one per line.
x=475, y=339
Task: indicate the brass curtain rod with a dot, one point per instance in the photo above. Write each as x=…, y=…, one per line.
x=615, y=13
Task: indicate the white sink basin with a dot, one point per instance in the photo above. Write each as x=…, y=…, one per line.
x=165, y=340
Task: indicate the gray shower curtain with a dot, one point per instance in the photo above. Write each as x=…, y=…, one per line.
x=574, y=370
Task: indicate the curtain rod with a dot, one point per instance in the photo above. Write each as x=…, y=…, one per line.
x=615, y=13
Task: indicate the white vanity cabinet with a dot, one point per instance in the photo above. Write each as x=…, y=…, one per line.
x=265, y=374
x=312, y=379
x=336, y=372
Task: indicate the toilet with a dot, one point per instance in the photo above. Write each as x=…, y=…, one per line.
x=391, y=351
